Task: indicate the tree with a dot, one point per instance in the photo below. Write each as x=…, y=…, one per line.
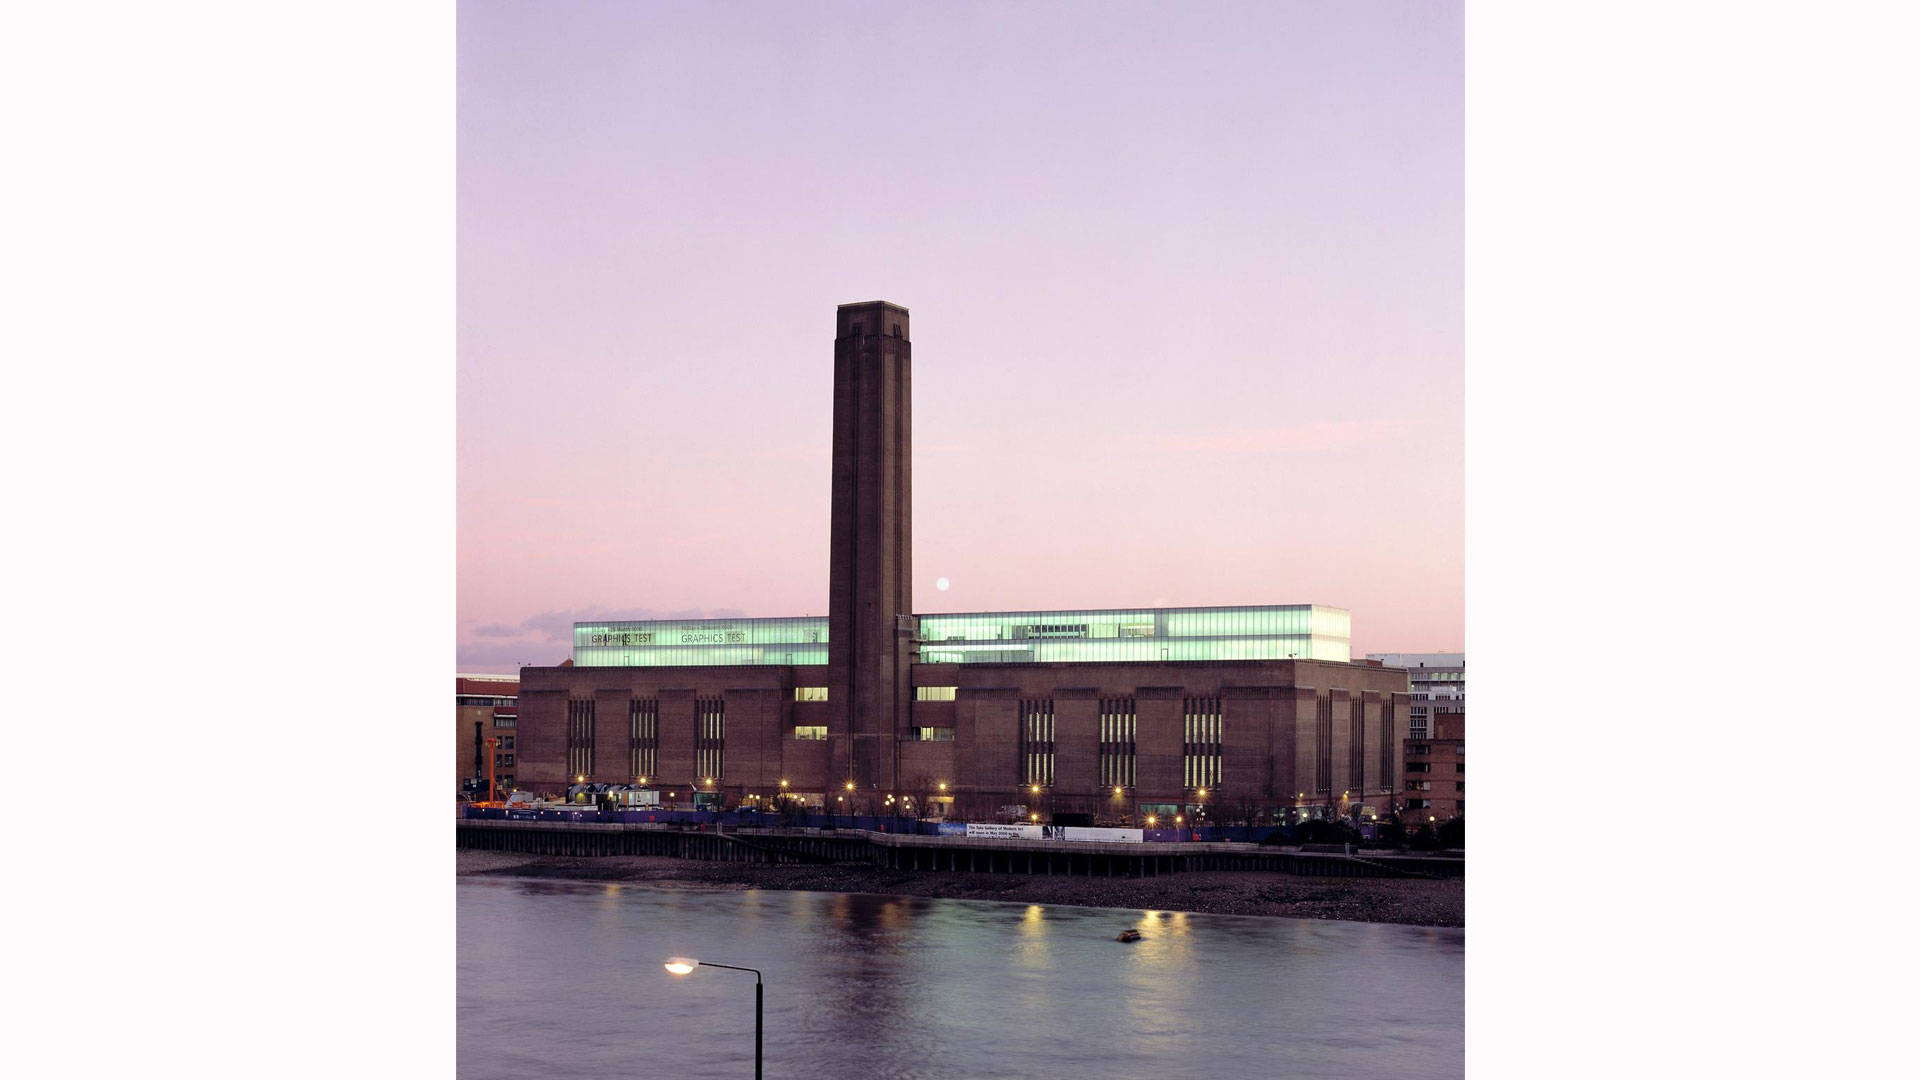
x=922, y=789
x=1240, y=810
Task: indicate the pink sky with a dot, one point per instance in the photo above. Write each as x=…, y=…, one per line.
x=1186, y=284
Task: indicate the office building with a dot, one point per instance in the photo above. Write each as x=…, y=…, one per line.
x=485, y=707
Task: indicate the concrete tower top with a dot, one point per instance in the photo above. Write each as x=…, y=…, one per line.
x=873, y=317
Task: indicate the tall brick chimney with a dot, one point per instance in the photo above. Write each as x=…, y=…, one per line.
x=870, y=634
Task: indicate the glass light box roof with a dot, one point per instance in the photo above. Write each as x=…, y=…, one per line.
x=1293, y=631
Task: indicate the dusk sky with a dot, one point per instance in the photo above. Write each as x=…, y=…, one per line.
x=1186, y=287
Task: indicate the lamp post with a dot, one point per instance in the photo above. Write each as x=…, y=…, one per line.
x=684, y=965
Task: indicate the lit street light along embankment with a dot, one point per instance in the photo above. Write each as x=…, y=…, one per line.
x=1225, y=879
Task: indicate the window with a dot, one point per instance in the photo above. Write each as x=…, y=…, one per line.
x=1118, y=724
x=1202, y=742
x=1460, y=767
x=1419, y=785
x=1461, y=786
x=1419, y=766
x=1036, y=741
x=643, y=737
x=933, y=734
x=1357, y=744
x=506, y=742
x=810, y=732
x=809, y=693
x=1417, y=804
x=580, y=737
x=1388, y=740
x=934, y=693
x=1323, y=744
x=1419, y=749
x=503, y=721
x=710, y=738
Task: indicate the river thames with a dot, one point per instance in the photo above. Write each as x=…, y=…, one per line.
x=564, y=979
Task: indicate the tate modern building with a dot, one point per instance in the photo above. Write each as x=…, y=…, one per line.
x=1117, y=713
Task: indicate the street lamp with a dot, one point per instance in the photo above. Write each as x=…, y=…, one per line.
x=684, y=965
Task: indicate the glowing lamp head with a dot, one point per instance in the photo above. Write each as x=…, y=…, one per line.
x=1150, y=820
x=943, y=785
x=1117, y=792
x=1203, y=793
x=1035, y=789
x=1035, y=817
x=849, y=785
x=682, y=965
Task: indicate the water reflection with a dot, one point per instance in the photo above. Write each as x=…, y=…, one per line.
x=561, y=978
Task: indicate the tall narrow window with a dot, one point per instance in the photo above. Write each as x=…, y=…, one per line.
x=1357, y=746
x=643, y=733
x=1036, y=741
x=1118, y=722
x=580, y=737
x=1323, y=736
x=1200, y=742
x=710, y=738
x=1387, y=741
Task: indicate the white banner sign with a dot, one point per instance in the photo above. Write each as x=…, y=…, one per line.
x=1003, y=832
x=1053, y=832
x=1111, y=836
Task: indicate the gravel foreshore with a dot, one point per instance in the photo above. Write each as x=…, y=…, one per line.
x=1413, y=902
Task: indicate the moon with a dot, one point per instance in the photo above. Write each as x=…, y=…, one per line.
x=941, y=584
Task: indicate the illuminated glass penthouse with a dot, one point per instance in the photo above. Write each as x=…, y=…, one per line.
x=1289, y=632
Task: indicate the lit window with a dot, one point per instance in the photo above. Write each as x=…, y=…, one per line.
x=809, y=693
x=810, y=731
x=934, y=693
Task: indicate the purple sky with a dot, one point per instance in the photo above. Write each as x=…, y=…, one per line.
x=1186, y=284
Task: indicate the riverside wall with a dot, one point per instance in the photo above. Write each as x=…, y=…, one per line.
x=906, y=851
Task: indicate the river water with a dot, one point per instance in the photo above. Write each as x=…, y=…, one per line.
x=562, y=979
